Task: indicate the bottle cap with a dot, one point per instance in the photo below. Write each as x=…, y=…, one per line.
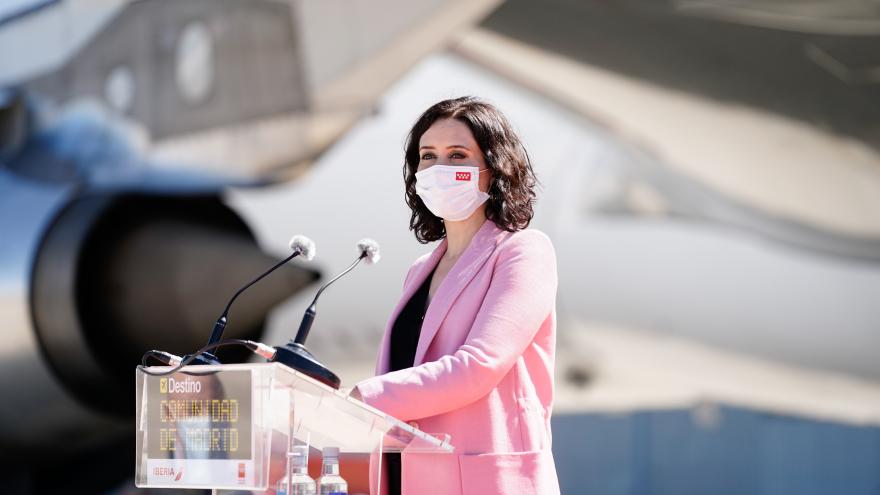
x=299, y=456
x=331, y=452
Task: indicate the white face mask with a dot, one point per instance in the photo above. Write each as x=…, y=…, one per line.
x=450, y=192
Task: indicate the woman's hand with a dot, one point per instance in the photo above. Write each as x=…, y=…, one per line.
x=355, y=393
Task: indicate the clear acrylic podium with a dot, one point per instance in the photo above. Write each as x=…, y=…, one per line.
x=222, y=427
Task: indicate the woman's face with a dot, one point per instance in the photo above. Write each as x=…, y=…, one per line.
x=450, y=142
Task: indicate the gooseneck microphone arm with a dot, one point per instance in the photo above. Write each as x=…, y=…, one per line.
x=294, y=353
x=303, y=333
x=221, y=322
x=301, y=245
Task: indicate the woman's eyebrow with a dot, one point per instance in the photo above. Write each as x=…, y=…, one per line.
x=428, y=147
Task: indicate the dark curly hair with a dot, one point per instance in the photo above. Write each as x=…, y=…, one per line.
x=511, y=193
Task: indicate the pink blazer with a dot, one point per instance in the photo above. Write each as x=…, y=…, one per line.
x=483, y=369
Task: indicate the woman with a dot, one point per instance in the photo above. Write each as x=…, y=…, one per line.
x=469, y=349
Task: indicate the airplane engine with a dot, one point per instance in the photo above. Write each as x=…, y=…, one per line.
x=103, y=258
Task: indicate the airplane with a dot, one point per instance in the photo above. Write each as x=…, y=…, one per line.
x=123, y=126
x=672, y=238
x=715, y=233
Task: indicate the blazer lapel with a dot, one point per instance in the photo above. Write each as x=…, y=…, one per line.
x=416, y=279
x=473, y=258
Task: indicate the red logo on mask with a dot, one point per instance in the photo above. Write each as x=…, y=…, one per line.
x=466, y=176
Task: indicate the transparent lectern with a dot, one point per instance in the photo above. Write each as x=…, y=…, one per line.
x=223, y=427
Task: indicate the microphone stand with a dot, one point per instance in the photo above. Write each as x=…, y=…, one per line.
x=295, y=355
x=220, y=325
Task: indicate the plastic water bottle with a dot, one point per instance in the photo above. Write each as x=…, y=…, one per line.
x=298, y=469
x=330, y=483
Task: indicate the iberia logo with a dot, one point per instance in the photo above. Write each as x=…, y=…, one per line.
x=462, y=176
x=168, y=471
x=163, y=386
x=241, y=471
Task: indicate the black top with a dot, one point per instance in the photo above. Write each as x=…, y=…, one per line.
x=404, y=340
x=407, y=328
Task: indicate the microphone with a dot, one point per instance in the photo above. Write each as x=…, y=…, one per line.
x=371, y=249
x=301, y=246
x=294, y=354
x=304, y=245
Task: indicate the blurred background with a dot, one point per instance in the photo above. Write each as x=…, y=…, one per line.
x=710, y=177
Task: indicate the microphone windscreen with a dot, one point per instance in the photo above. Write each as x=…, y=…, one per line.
x=304, y=245
x=370, y=247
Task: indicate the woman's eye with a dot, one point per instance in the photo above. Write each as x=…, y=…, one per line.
x=457, y=156
x=428, y=156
